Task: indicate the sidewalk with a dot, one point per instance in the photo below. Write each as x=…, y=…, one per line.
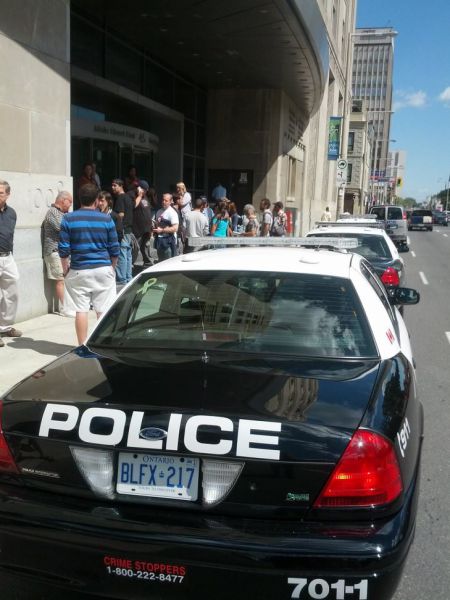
x=44, y=338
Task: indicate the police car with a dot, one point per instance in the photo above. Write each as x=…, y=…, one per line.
x=373, y=243
x=243, y=422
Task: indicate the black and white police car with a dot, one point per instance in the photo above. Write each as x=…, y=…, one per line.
x=243, y=422
x=373, y=243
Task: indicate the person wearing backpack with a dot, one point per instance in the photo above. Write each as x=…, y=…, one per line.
x=267, y=217
x=279, y=224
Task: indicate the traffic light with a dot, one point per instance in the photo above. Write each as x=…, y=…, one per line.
x=399, y=182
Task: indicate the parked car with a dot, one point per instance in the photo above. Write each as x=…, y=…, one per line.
x=421, y=218
x=440, y=218
x=240, y=419
x=395, y=219
x=373, y=243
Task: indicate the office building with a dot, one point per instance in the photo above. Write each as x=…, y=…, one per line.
x=373, y=61
x=238, y=92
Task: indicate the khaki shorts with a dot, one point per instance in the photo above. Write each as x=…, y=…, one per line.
x=91, y=286
x=54, y=266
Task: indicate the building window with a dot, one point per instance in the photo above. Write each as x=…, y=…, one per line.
x=349, y=172
x=351, y=141
x=292, y=173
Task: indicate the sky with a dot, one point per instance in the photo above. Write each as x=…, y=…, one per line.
x=421, y=101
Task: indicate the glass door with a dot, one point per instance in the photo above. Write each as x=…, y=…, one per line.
x=105, y=157
x=143, y=160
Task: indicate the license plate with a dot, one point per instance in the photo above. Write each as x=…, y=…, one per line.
x=392, y=225
x=158, y=476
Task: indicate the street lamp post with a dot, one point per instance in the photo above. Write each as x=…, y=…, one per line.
x=447, y=186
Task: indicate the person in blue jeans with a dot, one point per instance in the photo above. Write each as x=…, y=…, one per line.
x=123, y=206
x=167, y=223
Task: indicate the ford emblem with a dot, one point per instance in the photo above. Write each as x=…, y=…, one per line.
x=153, y=433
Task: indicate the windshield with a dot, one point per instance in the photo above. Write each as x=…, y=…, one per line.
x=369, y=246
x=296, y=314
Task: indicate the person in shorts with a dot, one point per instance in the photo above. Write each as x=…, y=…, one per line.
x=51, y=227
x=89, y=248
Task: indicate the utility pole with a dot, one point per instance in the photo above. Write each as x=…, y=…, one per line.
x=446, y=187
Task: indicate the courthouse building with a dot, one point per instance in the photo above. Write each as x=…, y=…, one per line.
x=236, y=91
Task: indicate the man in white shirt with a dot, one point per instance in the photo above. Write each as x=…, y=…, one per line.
x=197, y=224
x=326, y=215
x=166, y=229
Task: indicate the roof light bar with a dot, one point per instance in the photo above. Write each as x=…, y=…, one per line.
x=368, y=216
x=314, y=242
x=352, y=223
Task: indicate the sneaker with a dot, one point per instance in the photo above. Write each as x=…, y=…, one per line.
x=65, y=313
x=2, y=343
x=12, y=333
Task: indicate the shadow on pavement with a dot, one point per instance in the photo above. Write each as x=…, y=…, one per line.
x=40, y=346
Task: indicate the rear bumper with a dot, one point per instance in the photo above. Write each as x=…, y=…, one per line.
x=99, y=551
x=398, y=237
x=420, y=225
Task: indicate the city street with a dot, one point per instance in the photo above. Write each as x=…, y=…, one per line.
x=426, y=574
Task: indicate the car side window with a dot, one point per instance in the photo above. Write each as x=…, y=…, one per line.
x=379, y=289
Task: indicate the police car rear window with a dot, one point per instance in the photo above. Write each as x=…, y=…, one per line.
x=282, y=313
x=369, y=246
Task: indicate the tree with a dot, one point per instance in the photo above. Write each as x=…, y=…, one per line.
x=406, y=202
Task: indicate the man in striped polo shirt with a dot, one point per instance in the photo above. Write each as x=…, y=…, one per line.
x=88, y=248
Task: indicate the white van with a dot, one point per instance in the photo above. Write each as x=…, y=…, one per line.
x=396, y=225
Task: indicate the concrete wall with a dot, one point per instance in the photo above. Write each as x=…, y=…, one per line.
x=258, y=130
x=243, y=133
x=34, y=129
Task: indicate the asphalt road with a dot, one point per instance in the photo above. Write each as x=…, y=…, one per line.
x=427, y=573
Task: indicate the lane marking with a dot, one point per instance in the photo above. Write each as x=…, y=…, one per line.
x=447, y=333
x=408, y=241
x=413, y=254
x=423, y=278
x=445, y=235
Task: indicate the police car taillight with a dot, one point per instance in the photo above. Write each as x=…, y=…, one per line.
x=390, y=277
x=7, y=463
x=368, y=474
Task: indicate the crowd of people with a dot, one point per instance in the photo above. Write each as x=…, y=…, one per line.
x=89, y=253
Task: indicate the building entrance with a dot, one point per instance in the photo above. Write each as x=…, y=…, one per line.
x=238, y=183
x=113, y=148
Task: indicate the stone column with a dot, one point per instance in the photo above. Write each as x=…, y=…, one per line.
x=34, y=129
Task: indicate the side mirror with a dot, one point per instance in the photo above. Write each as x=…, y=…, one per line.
x=401, y=295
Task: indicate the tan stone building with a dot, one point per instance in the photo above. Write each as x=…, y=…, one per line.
x=238, y=92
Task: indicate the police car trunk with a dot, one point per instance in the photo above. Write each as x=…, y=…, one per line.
x=213, y=389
